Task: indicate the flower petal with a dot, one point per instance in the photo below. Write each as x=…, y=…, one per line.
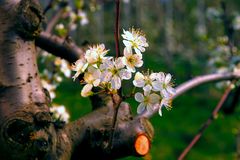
x=139, y=83
x=125, y=74
x=127, y=52
x=149, y=108
x=106, y=76
x=119, y=63
x=168, y=78
x=139, y=97
x=156, y=86
x=147, y=88
x=116, y=82
x=86, y=91
x=140, y=108
x=160, y=110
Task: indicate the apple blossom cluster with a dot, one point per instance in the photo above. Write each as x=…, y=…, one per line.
x=224, y=58
x=107, y=73
x=224, y=54
x=51, y=77
x=53, y=74
x=157, y=91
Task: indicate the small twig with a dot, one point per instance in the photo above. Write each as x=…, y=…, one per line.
x=54, y=20
x=49, y=6
x=206, y=124
x=116, y=102
x=116, y=32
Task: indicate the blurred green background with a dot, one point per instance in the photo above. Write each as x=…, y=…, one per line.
x=178, y=32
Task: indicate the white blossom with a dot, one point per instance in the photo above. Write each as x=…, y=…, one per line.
x=92, y=78
x=64, y=66
x=87, y=90
x=96, y=54
x=164, y=84
x=147, y=82
x=165, y=102
x=147, y=101
x=83, y=17
x=49, y=87
x=80, y=66
x=135, y=39
x=114, y=72
x=132, y=60
x=59, y=112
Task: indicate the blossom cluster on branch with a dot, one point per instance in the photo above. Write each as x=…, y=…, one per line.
x=107, y=73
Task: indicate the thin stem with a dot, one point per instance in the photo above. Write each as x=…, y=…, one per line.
x=116, y=32
x=117, y=103
x=207, y=123
x=48, y=7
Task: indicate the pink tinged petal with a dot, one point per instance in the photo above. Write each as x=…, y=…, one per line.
x=161, y=77
x=156, y=86
x=150, y=108
x=125, y=61
x=139, y=76
x=140, y=108
x=139, y=83
x=139, y=63
x=96, y=82
x=119, y=63
x=153, y=76
x=165, y=94
x=86, y=91
x=147, y=93
x=139, y=97
x=125, y=74
x=138, y=59
x=127, y=52
x=116, y=82
x=168, y=78
x=131, y=68
x=91, y=69
x=106, y=76
x=142, y=49
x=147, y=88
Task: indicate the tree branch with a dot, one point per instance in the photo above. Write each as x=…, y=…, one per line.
x=116, y=32
x=196, y=82
x=59, y=47
x=206, y=124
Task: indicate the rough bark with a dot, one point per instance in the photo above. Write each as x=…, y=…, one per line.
x=27, y=130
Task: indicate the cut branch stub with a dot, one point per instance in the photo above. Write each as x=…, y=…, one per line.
x=142, y=144
x=98, y=133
